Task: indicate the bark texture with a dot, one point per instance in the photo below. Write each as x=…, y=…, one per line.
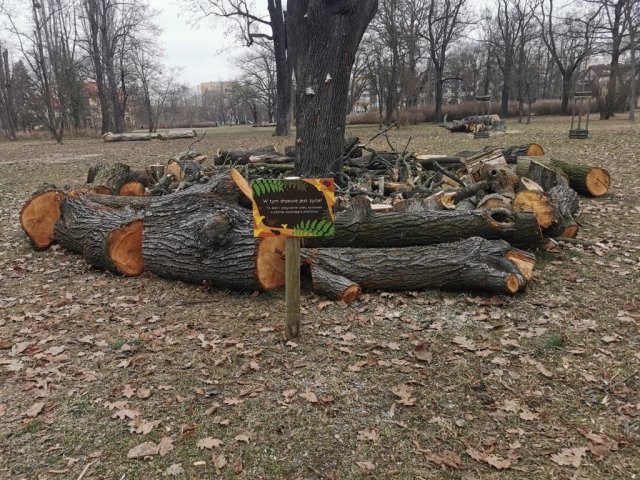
x=361, y=227
x=585, y=179
x=472, y=264
x=197, y=238
x=107, y=238
x=568, y=205
x=323, y=39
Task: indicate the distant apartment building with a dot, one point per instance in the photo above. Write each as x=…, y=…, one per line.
x=212, y=88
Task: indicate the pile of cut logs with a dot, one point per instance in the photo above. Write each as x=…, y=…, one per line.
x=404, y=221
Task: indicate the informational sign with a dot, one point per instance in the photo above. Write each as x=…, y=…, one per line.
x=293, y=207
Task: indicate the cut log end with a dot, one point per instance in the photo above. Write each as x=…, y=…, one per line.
x=38, y=217
x=540, y=204
x=524, y=261
x=351, y=294
x=125, y=249
x=270, y=263
x=535, y=150
x=598, y=181
x=512, y=284
x=132, y=189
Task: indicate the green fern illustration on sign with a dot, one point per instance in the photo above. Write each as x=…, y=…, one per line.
x=262, y=186
x=315, y=228
x=299, y=185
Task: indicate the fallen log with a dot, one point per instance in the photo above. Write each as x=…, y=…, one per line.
x=184, y=170
x=361, y=227
x=39, y=215
x=176, y=134
x=107, y=238
x=471, y=264
x=512, y=153
x=469, y=124
x=566, y=198
x=585, y=179
x=115, y=179
x=332, y=286
x=545, y=176
x=197, y=238
x=126, y=137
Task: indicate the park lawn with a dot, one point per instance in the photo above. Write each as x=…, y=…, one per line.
x=544, y=384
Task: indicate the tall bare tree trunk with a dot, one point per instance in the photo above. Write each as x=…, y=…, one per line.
x=8, y=114
x=284, y=69
x=633, y=100
x=323, y=39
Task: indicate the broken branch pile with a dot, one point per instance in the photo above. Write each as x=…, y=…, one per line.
x=404, y=220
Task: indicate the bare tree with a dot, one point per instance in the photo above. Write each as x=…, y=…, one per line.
x=258, y=69
x=508, y=41
x=252, y=27
x=50, y=51
x=8, y=118
x=323, y=39
x=445, y=20
x=110, y=28
x=570, y=38
x=632, y=12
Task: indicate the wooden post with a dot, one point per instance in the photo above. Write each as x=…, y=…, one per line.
x=292, y=287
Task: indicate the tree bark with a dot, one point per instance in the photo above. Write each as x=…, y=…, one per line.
x=568, y=204
x=284, y=68
x=107, y=238
x=197, y=238
x=39, y=215
x=585, y=179
x=323, y=39
x=472, y=264
x=361, y=227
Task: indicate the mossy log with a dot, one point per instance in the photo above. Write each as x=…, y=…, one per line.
x=471, y=264
x=585, y=179
x=361, y=227
x=107, y=238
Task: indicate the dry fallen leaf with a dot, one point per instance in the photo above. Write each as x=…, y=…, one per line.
x=367, y=466
x=165, y=446
x=209, y=443
x=128, y=391
x=142, y=427
x=245, y=437
x=34, y=409
x=569, y=457
x=368, y=434
x=422, y=353
x=309, y=396
x=220, y=461
x=404, y=392
x=146, y=449
x=174, y=470
x=3, y=410
x=126, y=413
x=143, y=393
x=492, y=460
x=465, y=343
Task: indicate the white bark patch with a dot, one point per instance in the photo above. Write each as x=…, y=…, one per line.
x=309, y=91
x=328, y=79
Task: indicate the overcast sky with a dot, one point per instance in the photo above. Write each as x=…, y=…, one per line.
x=205, y=52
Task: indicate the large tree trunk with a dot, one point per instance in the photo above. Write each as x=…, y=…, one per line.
x=439, y=95
x=568, y=204
x=566, y=91
x=197, y=238
x=284, y=68
x=361, y=227
x=323, y=39
x=472, y=264
x=107, y=238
